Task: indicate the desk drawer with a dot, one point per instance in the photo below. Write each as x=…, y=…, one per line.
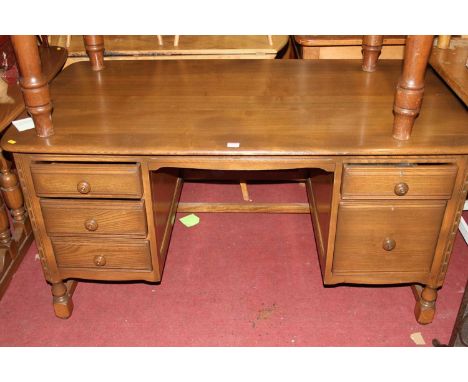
x=387, y=236
x=87, y=180
x=102, y=254
x=397, y=182
x=94, y=217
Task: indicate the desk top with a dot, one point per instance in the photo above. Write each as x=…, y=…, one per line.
x=269, y=107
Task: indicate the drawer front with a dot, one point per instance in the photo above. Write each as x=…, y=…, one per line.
x=396, y=182
x=102, y=254
x=387, y=236
x=87, y=180
x=94, y=217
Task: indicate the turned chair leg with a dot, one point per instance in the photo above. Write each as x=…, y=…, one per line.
x=5, y=233
x=63, y=303
x=5, y=240
x=426, y=306
x=11, y=190
x=94, y=46
x=33, y=84
x=371, y=48
x=410, y=88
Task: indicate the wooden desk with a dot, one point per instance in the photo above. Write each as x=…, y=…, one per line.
x=102, y=192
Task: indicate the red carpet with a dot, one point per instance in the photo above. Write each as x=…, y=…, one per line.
x=232, y=280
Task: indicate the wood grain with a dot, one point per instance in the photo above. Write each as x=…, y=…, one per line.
x=363, y=227
x=118, y=254
x=72, y=217
x=272, y=208
x=379, y=182
x=104, y=180
x=279, y=107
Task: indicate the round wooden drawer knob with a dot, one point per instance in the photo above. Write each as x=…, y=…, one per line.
x=389, y=244
x=91, y=225
x=83, y=187
x=401, y=189
x=99, y=260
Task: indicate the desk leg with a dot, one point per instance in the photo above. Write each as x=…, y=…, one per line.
x=371, y=48
x=425, y=304
x=62, y=299
x=410, y=88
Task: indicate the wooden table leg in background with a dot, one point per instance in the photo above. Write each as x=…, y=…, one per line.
x=425, y=307
x=371, y=48
x=410, y=88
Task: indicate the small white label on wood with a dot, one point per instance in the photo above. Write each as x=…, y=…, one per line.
x=24, y=124
x=233, y=145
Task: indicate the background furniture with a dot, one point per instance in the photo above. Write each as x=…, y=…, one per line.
x=450, y=60
x=345, y=47
x=15, y=231
x=188, y=47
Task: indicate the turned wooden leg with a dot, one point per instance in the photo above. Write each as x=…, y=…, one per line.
x=63, y=303
x=410, y=88
x=94, y=46
x=5, y=234
x=425, y=305
x=11, y=190
x=371, y=48
x=33, y=84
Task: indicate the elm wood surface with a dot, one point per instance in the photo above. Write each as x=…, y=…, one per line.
x=87, y=180
x=94, y=217
x=279, y=107
x=383, y=182
x=285, y=208
x=412, y=226
x=100, y=255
